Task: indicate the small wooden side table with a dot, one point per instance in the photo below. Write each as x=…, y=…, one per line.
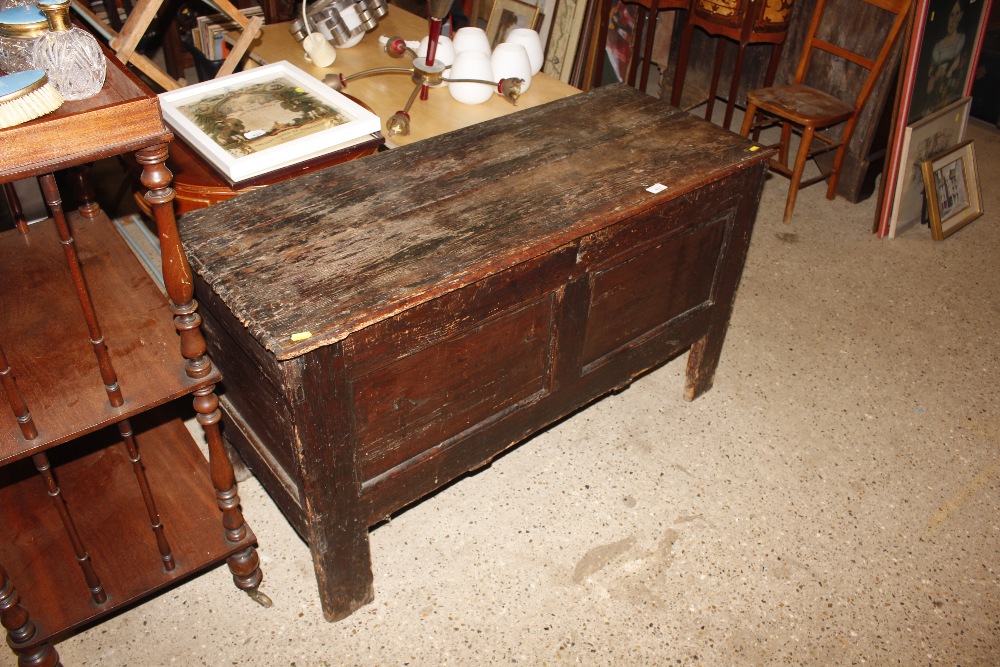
x=87, y=355
x=197, y=184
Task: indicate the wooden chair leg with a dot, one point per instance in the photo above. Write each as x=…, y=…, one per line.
x=633, y=56
x=15, y=208
x=603, y=17
x=772, y=65
x=831, y=183
x=786, y=139
x=713, y=91
x=800, y=164
x=647, y=53
x=682, y=61
x=748, y=120
x=734, y=86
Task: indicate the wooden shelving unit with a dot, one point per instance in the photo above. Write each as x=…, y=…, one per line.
x=93, y=471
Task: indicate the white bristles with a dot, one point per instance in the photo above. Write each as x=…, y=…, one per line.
x=36, y=100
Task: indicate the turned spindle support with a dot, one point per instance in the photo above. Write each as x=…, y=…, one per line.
x=108, y=374
x=21, y=630
x=179, y=284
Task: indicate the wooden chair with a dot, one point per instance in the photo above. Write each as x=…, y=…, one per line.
x=646, y=19
x=742, y=21
x=805, y=110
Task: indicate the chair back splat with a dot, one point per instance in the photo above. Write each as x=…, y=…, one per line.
x=825, y=119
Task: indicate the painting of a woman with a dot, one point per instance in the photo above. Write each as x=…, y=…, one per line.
x=942, y=74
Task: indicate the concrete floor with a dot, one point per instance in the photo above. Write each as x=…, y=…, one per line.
x=834, y=500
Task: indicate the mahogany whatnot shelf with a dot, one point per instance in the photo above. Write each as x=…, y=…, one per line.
x=103, y=499
x=392, y=323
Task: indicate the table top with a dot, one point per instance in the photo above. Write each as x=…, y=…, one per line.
x=386, y=94
x=307, y=263
x=123, y=117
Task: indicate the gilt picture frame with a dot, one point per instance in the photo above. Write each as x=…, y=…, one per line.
x=509, y=14
x=264, y=119
x=951, y=181
x=921, y=140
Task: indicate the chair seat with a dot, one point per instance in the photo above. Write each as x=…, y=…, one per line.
x=801, y=104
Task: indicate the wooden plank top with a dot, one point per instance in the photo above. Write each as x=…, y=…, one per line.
x=307, y=262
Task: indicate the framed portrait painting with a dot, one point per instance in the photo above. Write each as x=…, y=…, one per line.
x=951, y=181
x=952, y=30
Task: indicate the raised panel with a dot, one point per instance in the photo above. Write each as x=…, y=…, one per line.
x=441, y=318
x=650, y=289
x=447, y=389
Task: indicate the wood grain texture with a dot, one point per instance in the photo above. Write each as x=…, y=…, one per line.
x=340, y=249
x=96, y=479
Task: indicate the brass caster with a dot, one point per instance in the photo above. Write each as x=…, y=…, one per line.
x=260, y=598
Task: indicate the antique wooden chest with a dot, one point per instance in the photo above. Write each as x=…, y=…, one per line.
x=389, y=324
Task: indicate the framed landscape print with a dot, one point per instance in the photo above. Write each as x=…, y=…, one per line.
x=921, y=140
x=951, y=181
x=264, y=119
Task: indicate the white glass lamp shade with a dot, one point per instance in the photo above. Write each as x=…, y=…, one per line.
x=472, y=39
x=510, y=61
x=532, y=43
x=471, y=65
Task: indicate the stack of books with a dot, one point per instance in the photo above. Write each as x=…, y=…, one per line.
x=208, y=35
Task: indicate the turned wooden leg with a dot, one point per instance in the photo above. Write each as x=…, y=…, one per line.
x=734, y=85
x=21, y=630
x=83, y=190
x=179, y=283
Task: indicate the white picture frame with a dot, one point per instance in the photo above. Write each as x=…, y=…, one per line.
x=922, y=139
x=235, y=122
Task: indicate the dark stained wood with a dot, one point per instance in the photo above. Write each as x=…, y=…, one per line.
x=197, y=185
x=745, y=22
x=383, y=335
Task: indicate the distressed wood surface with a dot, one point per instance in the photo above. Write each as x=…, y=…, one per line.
x=335, y=251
